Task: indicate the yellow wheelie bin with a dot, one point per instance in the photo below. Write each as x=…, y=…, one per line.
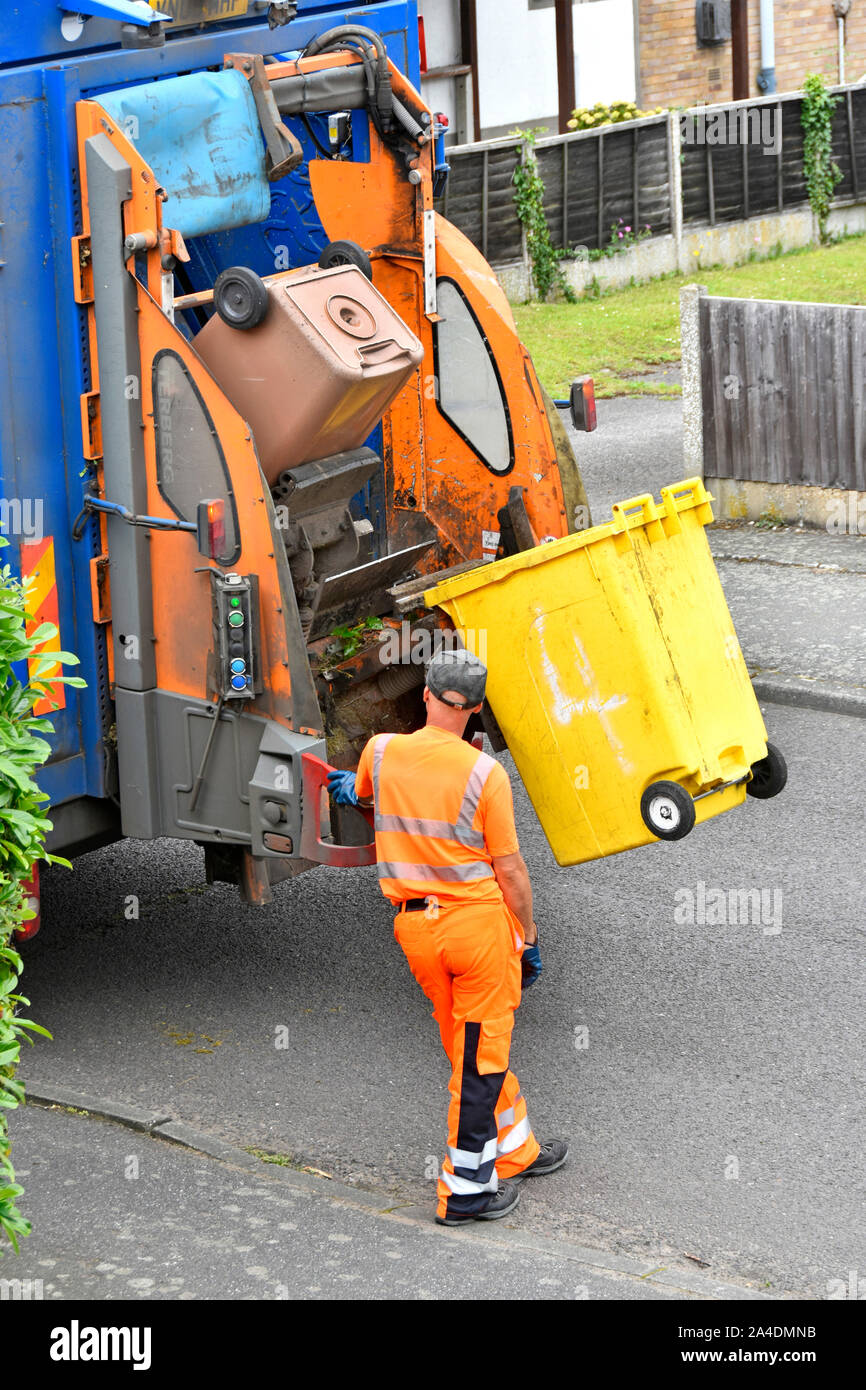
x=616, y=677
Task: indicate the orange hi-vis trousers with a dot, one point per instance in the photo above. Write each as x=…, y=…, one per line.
x=466, y=958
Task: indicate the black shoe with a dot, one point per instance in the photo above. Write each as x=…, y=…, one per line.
x=553, y=1154
x=503, y=1200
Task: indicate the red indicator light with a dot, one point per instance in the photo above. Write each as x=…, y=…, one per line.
x=216, y=528
x=211, y=527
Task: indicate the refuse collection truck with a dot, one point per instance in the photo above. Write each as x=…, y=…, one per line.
x=256, y=393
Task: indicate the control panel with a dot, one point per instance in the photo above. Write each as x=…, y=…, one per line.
x=236, y=636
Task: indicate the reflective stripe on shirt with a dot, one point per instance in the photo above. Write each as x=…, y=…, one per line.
x=460, y=830
x=444, y=873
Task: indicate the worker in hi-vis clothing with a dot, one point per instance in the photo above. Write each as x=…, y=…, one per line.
x=448, y=858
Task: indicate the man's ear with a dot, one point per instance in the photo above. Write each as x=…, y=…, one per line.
x=426, y=695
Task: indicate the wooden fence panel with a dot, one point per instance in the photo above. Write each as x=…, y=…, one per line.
x=783, y=392
x=505, y=235
x=654, y=178
x=594, y=178
x=479, y=199
x=763, y=181
x=589, y=183
x=583, y=193
x=858, y=119
x=555, y=176
x=842, y=151
x=698, y=183
x=461, y=203
x=793, y=179
x=728, y=179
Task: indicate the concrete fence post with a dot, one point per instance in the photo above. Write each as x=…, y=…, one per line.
x=675, y=182
x=693, y=408
x=524, y=151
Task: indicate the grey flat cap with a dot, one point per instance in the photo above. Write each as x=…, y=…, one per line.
x=459, y=671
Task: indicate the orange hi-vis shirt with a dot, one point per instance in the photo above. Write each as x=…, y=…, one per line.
x=443, y=812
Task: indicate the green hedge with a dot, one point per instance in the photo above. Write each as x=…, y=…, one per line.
x=23, y=827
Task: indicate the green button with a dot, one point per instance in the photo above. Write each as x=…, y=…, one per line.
x=236, y=619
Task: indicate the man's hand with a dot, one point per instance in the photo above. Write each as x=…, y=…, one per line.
x=341, y=786
x=530, y=966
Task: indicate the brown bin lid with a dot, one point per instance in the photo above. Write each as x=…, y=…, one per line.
x=348, y=319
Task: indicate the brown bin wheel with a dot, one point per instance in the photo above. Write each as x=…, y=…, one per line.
x=667, y=810
x=346, y=253
x=240, y=297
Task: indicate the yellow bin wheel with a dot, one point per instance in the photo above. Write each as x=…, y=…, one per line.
x=769, y=775
x=667, y=810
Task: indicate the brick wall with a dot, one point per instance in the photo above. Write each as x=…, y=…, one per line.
x=676, y=72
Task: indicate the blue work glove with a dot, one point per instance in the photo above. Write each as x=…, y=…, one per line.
x=530, y=966
x=341, y=786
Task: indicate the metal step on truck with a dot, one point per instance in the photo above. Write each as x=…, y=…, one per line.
x=252, y=384
x=258, y=398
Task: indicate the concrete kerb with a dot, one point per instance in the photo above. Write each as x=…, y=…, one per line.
x=777, y=689
x=691, y=1284
x=38, y=1093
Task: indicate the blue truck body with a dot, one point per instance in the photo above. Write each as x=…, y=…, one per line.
x=45, y=372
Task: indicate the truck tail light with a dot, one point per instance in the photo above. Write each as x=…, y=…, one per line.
x=31, y=898
x=212, y=528
x=582, y=403
x=422, y=44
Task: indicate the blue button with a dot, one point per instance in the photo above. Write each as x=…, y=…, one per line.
x=239, y=682
x=239, y=665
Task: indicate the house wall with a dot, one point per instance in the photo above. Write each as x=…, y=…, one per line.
x=517, y=58
x=442, y=34
x=675, y=71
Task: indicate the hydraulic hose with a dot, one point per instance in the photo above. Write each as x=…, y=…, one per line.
x=332, y=38
x=373, y=52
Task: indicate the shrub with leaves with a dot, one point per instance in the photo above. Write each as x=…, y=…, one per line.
x=589, y=117
x=529, y=202
x=348, y=640
x=23, y=827
x=820, y=170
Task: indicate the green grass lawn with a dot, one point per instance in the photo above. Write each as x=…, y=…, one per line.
x=627, y=332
